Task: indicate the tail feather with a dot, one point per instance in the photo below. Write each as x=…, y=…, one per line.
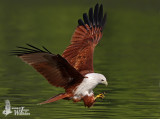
x=55, y=98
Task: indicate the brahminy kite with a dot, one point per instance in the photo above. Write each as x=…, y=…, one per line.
x=72, y=71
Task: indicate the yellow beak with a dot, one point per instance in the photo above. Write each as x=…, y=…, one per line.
x=106, y=83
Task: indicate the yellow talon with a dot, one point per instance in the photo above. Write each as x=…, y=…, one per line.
x=101, y=95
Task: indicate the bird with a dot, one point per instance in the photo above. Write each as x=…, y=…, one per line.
x=73, y=70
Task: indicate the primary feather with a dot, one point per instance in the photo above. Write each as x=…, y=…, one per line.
x=53, y=67
x=86, y=36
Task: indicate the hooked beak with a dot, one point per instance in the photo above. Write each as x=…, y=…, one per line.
x=106, y=83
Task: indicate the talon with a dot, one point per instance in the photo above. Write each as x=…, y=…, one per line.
x=101, y=95
x=104, y=93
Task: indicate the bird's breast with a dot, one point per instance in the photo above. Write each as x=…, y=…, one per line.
x=85, y=88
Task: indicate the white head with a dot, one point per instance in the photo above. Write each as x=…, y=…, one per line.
x=90, y=81
x=97, y=78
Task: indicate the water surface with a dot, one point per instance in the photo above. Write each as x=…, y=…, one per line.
x=128, y=55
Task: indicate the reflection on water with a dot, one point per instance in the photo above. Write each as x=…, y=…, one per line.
x=128, y=56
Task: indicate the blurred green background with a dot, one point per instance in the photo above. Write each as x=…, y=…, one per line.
x=128, y=55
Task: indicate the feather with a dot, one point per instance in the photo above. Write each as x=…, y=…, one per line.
x=91, y=16
x=24, y=50
x=86, y=20
x=95, y=19
x=100, y=15
x=87, y=36
x=96, y=14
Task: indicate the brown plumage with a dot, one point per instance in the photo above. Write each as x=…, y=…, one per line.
x=69, y=70
x=80, y=52
x=82, y=44
x=54, y=68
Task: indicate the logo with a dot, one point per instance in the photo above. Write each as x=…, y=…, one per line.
x=7, y=108
x=15, y=110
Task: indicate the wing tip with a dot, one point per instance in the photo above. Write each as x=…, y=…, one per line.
x=31, y=49
x=95, y=19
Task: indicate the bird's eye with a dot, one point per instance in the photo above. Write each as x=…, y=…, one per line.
x=102, y=80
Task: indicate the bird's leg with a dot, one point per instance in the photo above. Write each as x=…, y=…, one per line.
x=101, y=95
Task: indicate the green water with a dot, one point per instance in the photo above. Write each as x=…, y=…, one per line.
x=128, y=55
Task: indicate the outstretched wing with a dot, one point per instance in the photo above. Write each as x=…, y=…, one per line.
x=86, y=36
x=54, y=68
